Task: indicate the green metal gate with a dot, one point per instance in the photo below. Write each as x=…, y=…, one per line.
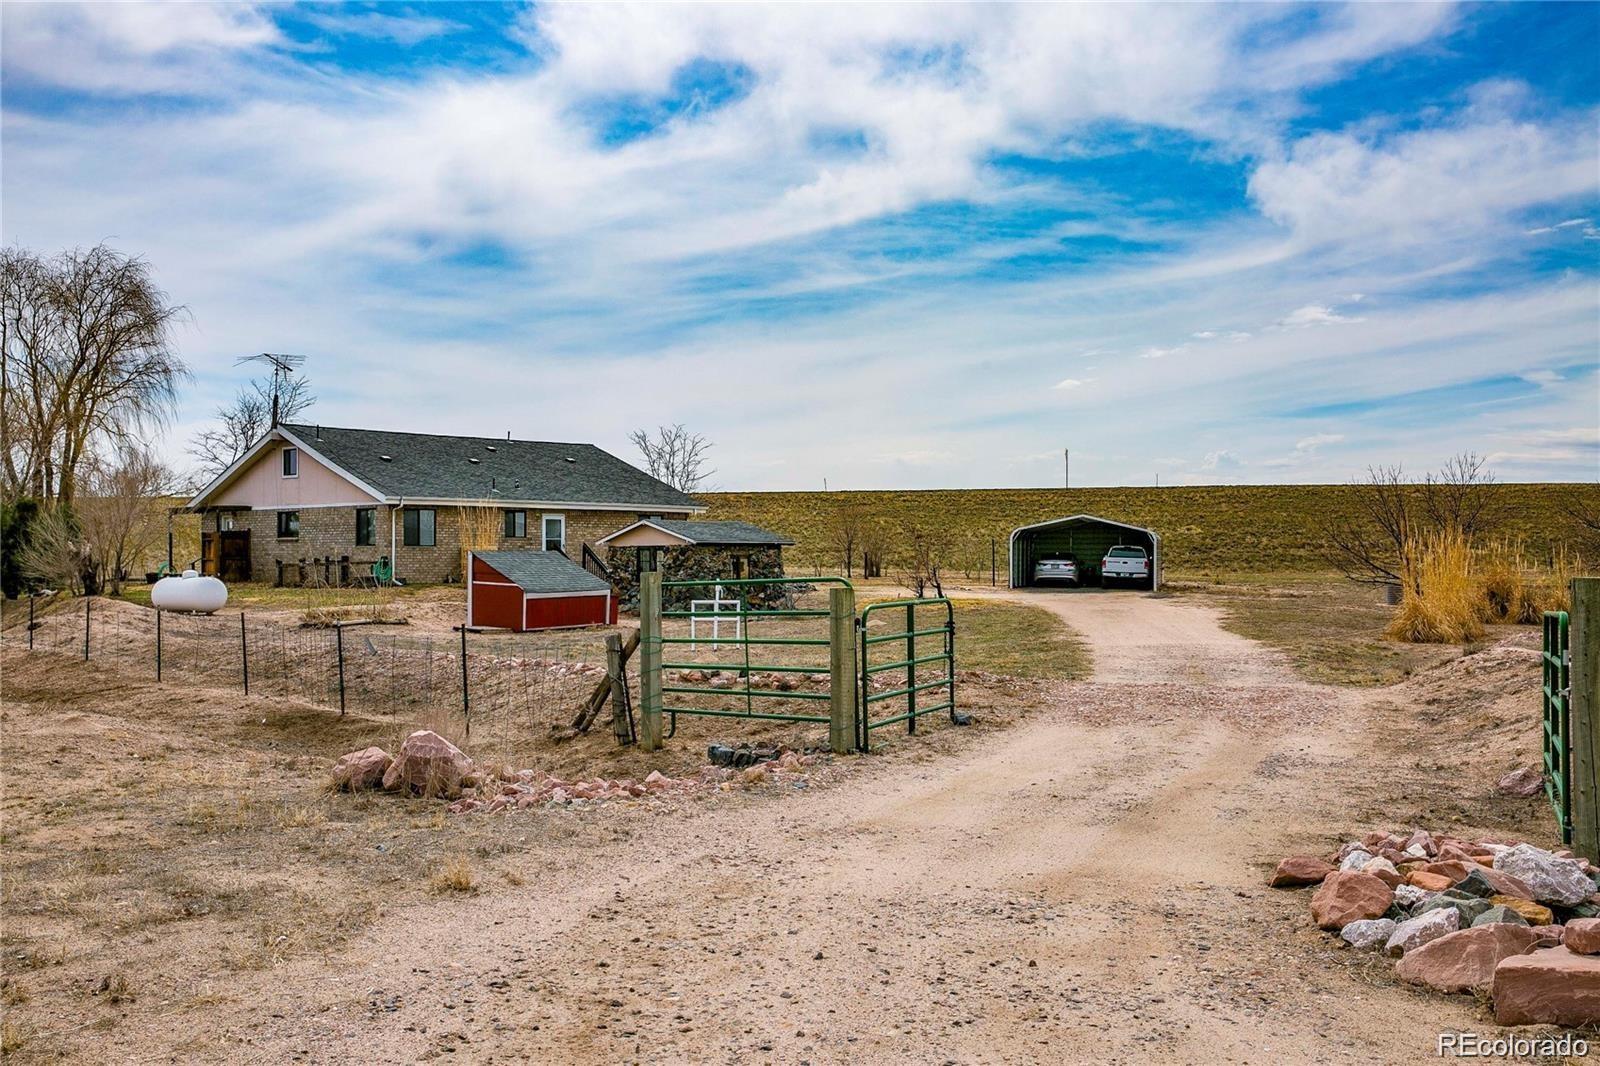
x=945, y=633
x=1558, y=719
x=835, y=708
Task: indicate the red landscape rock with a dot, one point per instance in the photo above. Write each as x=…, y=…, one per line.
x=1428, y=882
x=1523, y=782
x=429, y=765
x=1454, y=869
x=360, y=770
x=1299, y=870
x=1583, y=936
x=1346, y=896
x=1552, y=986
x=1463, y=961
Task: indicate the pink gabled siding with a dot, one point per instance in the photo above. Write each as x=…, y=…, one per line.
x=262, y=484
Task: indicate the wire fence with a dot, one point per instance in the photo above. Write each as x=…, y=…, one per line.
x=514, y=692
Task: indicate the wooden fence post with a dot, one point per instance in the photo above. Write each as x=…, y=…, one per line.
x=1584, y=717
x=619, y=694
x=650, y=660
x=842, y=668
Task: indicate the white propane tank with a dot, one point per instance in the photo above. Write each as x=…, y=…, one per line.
x=191, y=592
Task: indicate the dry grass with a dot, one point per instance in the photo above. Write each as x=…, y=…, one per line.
x=453, y=875
x=1517, y=591
x=1330, y=628
x=1220, y=531
x=13, y=1037
x=1441, y=594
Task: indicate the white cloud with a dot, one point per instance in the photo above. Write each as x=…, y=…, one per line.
x=1445, y=181
x=1313, y=315
x=1069, y=383
x=131, y=46
x=1221, y=460
x=407, y=30
x=1317, y=440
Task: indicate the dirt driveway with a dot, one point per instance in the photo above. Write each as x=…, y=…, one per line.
x=1086, y=887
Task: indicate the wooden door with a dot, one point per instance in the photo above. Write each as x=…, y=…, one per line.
x=233, y=556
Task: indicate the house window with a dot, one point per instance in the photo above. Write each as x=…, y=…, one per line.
x=225, y=523
x=366, y=526
x=555, y=533
x=419, y=527
x=516, y=523
x=291, y=462
x=288, y=525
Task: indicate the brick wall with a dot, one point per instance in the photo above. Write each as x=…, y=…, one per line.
x=331, y=532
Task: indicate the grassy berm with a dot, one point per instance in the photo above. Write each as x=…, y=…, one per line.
x=1211, y=530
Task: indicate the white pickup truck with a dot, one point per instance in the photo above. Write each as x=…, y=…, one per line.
x=1126, y=563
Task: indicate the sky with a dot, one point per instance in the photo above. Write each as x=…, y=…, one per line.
x=861, y=247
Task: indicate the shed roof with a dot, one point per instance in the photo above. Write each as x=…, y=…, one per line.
x=709, y=533
x=536, y=571
x=1084, y=518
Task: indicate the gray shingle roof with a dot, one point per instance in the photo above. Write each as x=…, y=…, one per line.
x=544, y=572
x=721, y=532
x=431, y=466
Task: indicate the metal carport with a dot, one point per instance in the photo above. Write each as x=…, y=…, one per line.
x=1085, y=536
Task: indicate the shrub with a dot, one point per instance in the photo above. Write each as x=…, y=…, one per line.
x=1442, y=597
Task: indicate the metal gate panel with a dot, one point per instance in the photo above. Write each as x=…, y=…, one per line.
x=1557, y=699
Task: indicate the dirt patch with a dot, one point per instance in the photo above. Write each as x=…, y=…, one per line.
x=1067, y=878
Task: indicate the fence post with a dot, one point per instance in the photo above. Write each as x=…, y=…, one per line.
x=87, y=600
x=842, y=668
x=30, y=621
x=650, y=660
x=338, y=644
x=994, y=557
x=911, y=669
x=619, y=703
x=1584, y=717
x=466, y=698
x=158, y=643
x=244, y=654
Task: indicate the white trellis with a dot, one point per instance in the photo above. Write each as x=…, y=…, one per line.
x=715, y=611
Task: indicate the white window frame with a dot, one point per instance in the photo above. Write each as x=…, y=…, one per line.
x=519, y=512
x=289, y=536
x=544, y=531
x=285, y=461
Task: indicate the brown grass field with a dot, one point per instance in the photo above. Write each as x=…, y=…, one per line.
x=1216, y=531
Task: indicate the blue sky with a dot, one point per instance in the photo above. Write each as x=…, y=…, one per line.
x=888, y=246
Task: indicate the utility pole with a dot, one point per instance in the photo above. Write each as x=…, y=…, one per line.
x=1066, y=458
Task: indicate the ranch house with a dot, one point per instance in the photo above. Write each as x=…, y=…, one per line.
x=317, y=503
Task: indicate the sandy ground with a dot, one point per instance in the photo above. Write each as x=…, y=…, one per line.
x=1087, y=886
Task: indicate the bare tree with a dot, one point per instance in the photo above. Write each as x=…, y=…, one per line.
x=1581, y=505
x=674, y=455
x=1377, y=543
x=1371, y=546
x=88, y=363
x=56, y=555
x=922, y=570
x=121, y=514
x=848, y=521
x=244, y=421
x=1461, y=496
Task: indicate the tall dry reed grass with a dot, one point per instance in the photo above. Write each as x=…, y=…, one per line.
x=1452, y=589
x=1440, y=593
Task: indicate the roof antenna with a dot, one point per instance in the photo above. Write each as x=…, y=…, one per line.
x=508, y=434
x=283, y=368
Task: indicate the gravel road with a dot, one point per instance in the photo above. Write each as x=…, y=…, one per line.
x=1085, y=887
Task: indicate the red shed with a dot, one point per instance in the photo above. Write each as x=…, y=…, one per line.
x=535, y=590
